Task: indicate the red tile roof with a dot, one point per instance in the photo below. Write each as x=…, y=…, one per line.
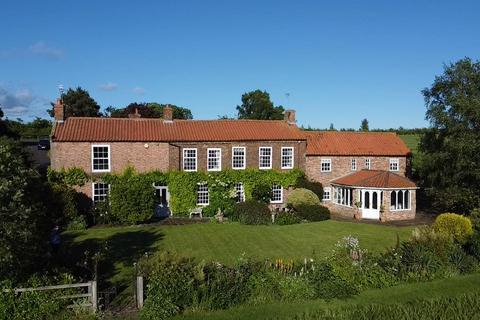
x=355, y=143
x=144, y=130
x=375, y=179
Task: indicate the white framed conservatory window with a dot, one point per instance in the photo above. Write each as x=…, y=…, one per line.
x=394, y=164
x=277, y=194
x=354, y=165
x=190, y=159
x=343, y=196
x=239, y=192
x=202, y=194
x=265, y=158
x=327, y=194
x=100, y=191
x=101, y=158
x=238, y=157
x=214, y=159
x=287, y=157
x=368, y=163
x=400, y=200
x=326, y=165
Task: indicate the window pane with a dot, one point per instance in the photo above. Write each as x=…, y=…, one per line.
x=287, y=158
x=367, y=200
x=238, y=158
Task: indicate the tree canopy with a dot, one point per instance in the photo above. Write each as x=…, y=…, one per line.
x=24, y=226
x=257, y=105
x=450, y=150
x=78, y=103
x=364, y=125
x=149, y=110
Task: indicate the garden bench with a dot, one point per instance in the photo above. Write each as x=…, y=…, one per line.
x=196, y=212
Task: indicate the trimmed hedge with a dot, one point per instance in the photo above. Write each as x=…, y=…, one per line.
x=302, y=197
x=455, y=225
x=252, y=212
x=312, y=212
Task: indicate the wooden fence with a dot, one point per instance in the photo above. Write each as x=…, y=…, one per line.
x=91, y=292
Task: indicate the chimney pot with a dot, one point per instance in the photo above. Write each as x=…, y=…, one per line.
x=289, y=116
x=135, y=115
x=167, y=113
x=59, y=111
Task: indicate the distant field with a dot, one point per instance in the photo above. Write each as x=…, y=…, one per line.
x=412, y=141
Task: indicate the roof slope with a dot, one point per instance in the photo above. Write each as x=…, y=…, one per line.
x=355, y=143
x=375, y=179
x=157, y=130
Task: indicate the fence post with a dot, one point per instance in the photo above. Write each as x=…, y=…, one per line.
x=139, y=292
x=93, y=286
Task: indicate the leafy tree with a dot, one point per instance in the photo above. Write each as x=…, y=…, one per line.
x=257, y=105
x=78, y=103
x=332, y=127
x=1, y=113
x=149, y=110
x=450, y=149
x=364, y=125
x=23, y=227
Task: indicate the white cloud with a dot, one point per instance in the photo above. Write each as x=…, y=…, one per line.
x=17, y=103
x=41, y=48
x=139, y=90
x=109, y=86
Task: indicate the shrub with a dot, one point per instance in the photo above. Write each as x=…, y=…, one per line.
x=302, y=197
x=262, y=192
x=312, y=212
x=472, y=247
x=284, y=218
x=455, y=225
x=463, y=262
x=475, y=219
x=78, y=223
x=252, y=212
x=329, y=285
x=292, y=288
x=314, y=186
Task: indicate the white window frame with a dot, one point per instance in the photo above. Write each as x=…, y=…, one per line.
x=219, y=159
x=203, y=192
x=239, y=192
x=368, y=163
x=396, y=162
x=260, y=158
x=109, y=157
x=282, y=156
x=93, y=191
x=244, y=158
x=327, y=190
x=353, y=164
x=281, y=193
x=343, y=195
x=326, y=161
x=183, y=159
x=395, y=206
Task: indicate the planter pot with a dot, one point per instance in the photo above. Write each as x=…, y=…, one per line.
x=357, y=215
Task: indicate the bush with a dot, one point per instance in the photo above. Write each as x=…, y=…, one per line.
x=316, y=187
x=292, y=288
x=262, y=192
x=302, y=197
x=472, y=247
x=251, y=212
x=312, y=212
x=78, y=223
x=329, y=285
x=284, y=218
x=475, y=219
x=455, y=225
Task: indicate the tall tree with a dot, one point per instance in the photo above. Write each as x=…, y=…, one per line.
x=450, y=161
x=257, y=105
x=24, y=226
x=364, y=125
x=78, y=103
x=149, y=110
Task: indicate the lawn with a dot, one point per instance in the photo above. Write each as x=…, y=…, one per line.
x=399, y=294
x=412, y=141
x=223, y=242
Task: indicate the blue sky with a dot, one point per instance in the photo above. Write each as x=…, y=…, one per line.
x=340, y=61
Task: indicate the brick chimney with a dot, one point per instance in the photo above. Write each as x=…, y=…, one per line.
x=289, y=116
x=135, y=115
x=59, y=111
x=167, y=113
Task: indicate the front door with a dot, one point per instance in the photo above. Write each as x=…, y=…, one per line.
x=371, y=203
x=162, y=198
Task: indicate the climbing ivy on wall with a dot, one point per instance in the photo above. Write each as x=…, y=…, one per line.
x=129, y=191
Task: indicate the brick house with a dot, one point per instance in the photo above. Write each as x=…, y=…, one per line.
x=362, y=172
x=100, y=145
x=336, y=159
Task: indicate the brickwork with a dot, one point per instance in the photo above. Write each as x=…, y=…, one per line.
x=341, y=166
